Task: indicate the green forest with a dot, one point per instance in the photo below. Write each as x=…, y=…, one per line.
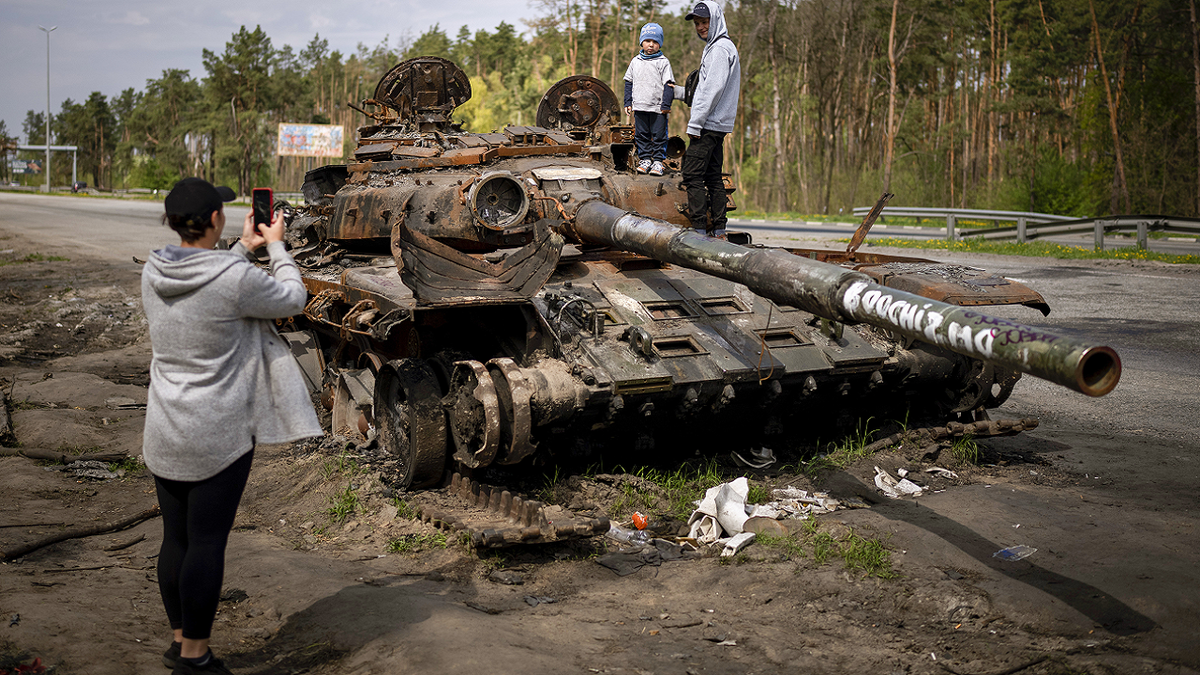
x=1074, y=107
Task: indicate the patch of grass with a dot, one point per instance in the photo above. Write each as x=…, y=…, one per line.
x=547, y=492
x=411, y=543
x=131, y=465
x=1041, y=249
x=339, y=466
x=860, y=554
x=965, y=450
x=844, y=452
x=867, y=556
x=34, y=257
x=343, y=504
x=758, y=494
x=788, y=546
x=404, y=509
x=669, y=493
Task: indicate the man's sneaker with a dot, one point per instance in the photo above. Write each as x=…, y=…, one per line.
x=644, y=166
x=213, y=666
x=656, y=169
x=171, y=655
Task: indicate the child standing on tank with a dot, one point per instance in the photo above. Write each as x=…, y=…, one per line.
x=649, y=90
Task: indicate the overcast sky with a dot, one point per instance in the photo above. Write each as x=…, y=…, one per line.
x=111, y=45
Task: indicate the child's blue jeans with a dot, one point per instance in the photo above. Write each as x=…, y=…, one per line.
x=650, y=135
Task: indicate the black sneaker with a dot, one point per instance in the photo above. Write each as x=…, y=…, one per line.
x=214, y=666
x=171, y=655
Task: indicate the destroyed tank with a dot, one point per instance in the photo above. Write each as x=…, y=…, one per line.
x=481, y=299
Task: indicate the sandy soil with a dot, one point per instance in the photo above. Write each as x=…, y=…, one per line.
x=1112, y=588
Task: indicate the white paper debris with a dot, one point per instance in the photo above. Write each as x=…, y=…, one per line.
x=893, y=488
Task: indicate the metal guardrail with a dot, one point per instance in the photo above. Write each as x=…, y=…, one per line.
x=1033, y=225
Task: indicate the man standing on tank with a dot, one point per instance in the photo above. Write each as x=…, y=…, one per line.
x=714, y=107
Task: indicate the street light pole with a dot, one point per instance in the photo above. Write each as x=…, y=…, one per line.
x=48, y=31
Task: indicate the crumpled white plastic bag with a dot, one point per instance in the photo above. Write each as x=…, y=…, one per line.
x=722, y=512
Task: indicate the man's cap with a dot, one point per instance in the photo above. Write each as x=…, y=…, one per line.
x=196, y=196
x=652, y=31
x=700, y=10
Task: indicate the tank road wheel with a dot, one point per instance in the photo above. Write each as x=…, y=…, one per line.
x=410, y=420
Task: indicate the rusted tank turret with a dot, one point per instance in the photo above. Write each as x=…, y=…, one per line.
x=484, y=298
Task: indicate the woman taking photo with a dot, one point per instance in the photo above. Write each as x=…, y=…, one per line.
x=221, y=380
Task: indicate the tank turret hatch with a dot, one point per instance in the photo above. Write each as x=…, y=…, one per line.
x=423, y=92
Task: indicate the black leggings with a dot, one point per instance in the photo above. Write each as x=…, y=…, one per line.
x=197, y=517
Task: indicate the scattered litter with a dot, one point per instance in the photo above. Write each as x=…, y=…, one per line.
x=792, y=502
x=737, y=543
x=630, y=560
x=624, y=534
x=639, y=520
x=902, y=472
x=944, y=473
x=754, y=459
x=122, y=403
x=1015, y=553
x=727, y=643
x=893, y=488
x=14, y=620
x=88, y=469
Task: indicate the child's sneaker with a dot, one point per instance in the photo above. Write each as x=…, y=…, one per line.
x=656, y=169
x=643, y=166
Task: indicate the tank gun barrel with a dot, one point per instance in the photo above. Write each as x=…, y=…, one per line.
x=840, y=294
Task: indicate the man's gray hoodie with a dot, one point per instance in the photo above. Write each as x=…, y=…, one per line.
x=221, y=378
x=714, y=105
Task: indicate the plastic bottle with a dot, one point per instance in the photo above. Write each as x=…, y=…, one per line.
x=627, y=535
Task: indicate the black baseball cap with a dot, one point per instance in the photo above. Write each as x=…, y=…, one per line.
x=700, y=10
x=196, y=196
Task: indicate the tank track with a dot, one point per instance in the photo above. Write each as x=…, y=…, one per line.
x=495, y=517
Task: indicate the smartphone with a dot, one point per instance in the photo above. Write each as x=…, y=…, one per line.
x=263, y=201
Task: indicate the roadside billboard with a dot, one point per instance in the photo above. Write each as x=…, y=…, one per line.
x=25, y=165
x=310, y=140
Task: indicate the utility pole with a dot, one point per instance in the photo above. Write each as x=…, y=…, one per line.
x=47, y=169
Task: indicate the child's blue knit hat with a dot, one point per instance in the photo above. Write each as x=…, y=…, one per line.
x=652, y=31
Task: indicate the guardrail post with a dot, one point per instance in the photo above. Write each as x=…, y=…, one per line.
x=950, y=227
x=1098, y=231
x=1143, y=234
x=1020, y=230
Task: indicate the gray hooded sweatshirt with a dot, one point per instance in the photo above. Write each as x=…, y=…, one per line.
x=221, y=378
x=714, y=105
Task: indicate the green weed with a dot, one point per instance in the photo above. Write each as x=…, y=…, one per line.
x=867, y=556
x=343, y=504
x=759, y=494
x=788, y=546
x=131, y=465
x=965, y=450
x=404, y=509
x=339, y=466
x=411, y=543
x=845, y=452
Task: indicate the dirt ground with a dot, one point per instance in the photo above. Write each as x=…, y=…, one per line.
x=1111, y=589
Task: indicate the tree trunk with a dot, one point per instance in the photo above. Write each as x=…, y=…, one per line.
x=889, y=147
x=776, y=123
x=1196, y=66
x=1119, y=187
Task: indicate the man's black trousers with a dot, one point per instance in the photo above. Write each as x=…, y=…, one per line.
x=702, y=178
